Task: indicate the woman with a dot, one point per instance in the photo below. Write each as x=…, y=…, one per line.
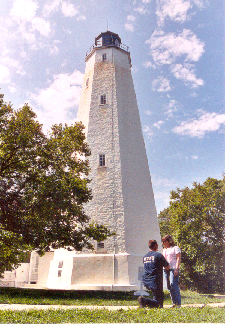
x=172, y=254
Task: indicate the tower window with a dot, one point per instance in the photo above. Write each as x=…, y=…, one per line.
x=103, y=99
x=100, y=246
x=87, y=82
x=101, y=159
x=104, y=57
x=60, y=265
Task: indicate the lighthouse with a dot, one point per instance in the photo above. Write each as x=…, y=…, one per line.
x=123, y=198
x=121, y=185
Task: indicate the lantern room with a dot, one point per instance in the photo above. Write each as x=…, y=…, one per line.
x=108, y=39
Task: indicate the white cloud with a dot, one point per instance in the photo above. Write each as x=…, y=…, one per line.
x=208, y=122
x=51, y=6
x=158, y=124
x=23, y=13
x=161, y=84
x=12, y=89
x=68, y=9
x=173, y=107
x=187, y=74
x=162, y=199
x=82, y=17
x=4, y=74
x=134, y=69
x=24, y=10
x=60, y=99
x=42, y=26
x=131, y=18
x=176, y=156
x=141, y=10
x=149, y=65
x=175, y=10
x=129, y=27
x=162, y=188
x=10, y=62
x=23, y=54
x=166, y=48
x=147, y=130
x=200, y=3
x=164, y=182
x=30, y=39
x=54, y=50
x=148, y=112
x=194, y=157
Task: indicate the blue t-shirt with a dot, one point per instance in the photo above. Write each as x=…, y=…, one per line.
x=153, y=269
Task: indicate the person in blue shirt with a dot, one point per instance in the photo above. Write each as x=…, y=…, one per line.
x=153, y=276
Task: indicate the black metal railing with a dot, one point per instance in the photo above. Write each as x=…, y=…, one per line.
x=121, y=46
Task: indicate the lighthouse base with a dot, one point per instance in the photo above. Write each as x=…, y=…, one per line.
x=116, y=272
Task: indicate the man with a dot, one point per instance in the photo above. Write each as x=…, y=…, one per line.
x=153, y=276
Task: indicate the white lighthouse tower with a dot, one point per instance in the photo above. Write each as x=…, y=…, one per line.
x=121, y=185
x=120, y=179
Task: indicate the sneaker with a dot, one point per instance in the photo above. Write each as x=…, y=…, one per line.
x=141, y=301
x=151, y=303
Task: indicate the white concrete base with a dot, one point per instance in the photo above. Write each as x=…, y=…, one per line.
x=104, y=287
x=115, y=272
x=86, y=287
x=34, y=286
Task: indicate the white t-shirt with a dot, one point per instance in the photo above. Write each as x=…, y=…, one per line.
x=170, y=255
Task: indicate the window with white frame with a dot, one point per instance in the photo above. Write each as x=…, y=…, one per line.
x=103, y=99
x=104, y=57
x=101, y=160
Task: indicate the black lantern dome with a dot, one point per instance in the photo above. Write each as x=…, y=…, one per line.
x=108, y=38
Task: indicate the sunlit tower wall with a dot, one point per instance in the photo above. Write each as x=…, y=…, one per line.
x=121, y=185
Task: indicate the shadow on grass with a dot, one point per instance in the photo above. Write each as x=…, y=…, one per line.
x=66, y=294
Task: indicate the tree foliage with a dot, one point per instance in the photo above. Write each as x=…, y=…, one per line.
x=196, y=220
x=43, y=186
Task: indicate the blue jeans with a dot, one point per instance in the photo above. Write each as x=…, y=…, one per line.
x=158, y=297
x=173, y=286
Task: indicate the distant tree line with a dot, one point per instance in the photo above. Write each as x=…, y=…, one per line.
x=196, y=220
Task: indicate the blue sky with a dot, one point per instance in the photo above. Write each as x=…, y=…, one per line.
x=177, y=66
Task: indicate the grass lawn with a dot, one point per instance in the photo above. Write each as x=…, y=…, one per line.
x=185, y=315
x=63, y=297
x=70, y=297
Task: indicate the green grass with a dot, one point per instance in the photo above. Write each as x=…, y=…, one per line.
x=185, y=315
x=68, y=297
x=64, y=297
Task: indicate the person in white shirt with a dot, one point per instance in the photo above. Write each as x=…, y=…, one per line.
x=172, y=254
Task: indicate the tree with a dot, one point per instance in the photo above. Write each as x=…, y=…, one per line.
x=43, y=187
x=196, y=220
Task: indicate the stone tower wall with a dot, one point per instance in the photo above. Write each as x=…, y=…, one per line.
x=122, y=192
